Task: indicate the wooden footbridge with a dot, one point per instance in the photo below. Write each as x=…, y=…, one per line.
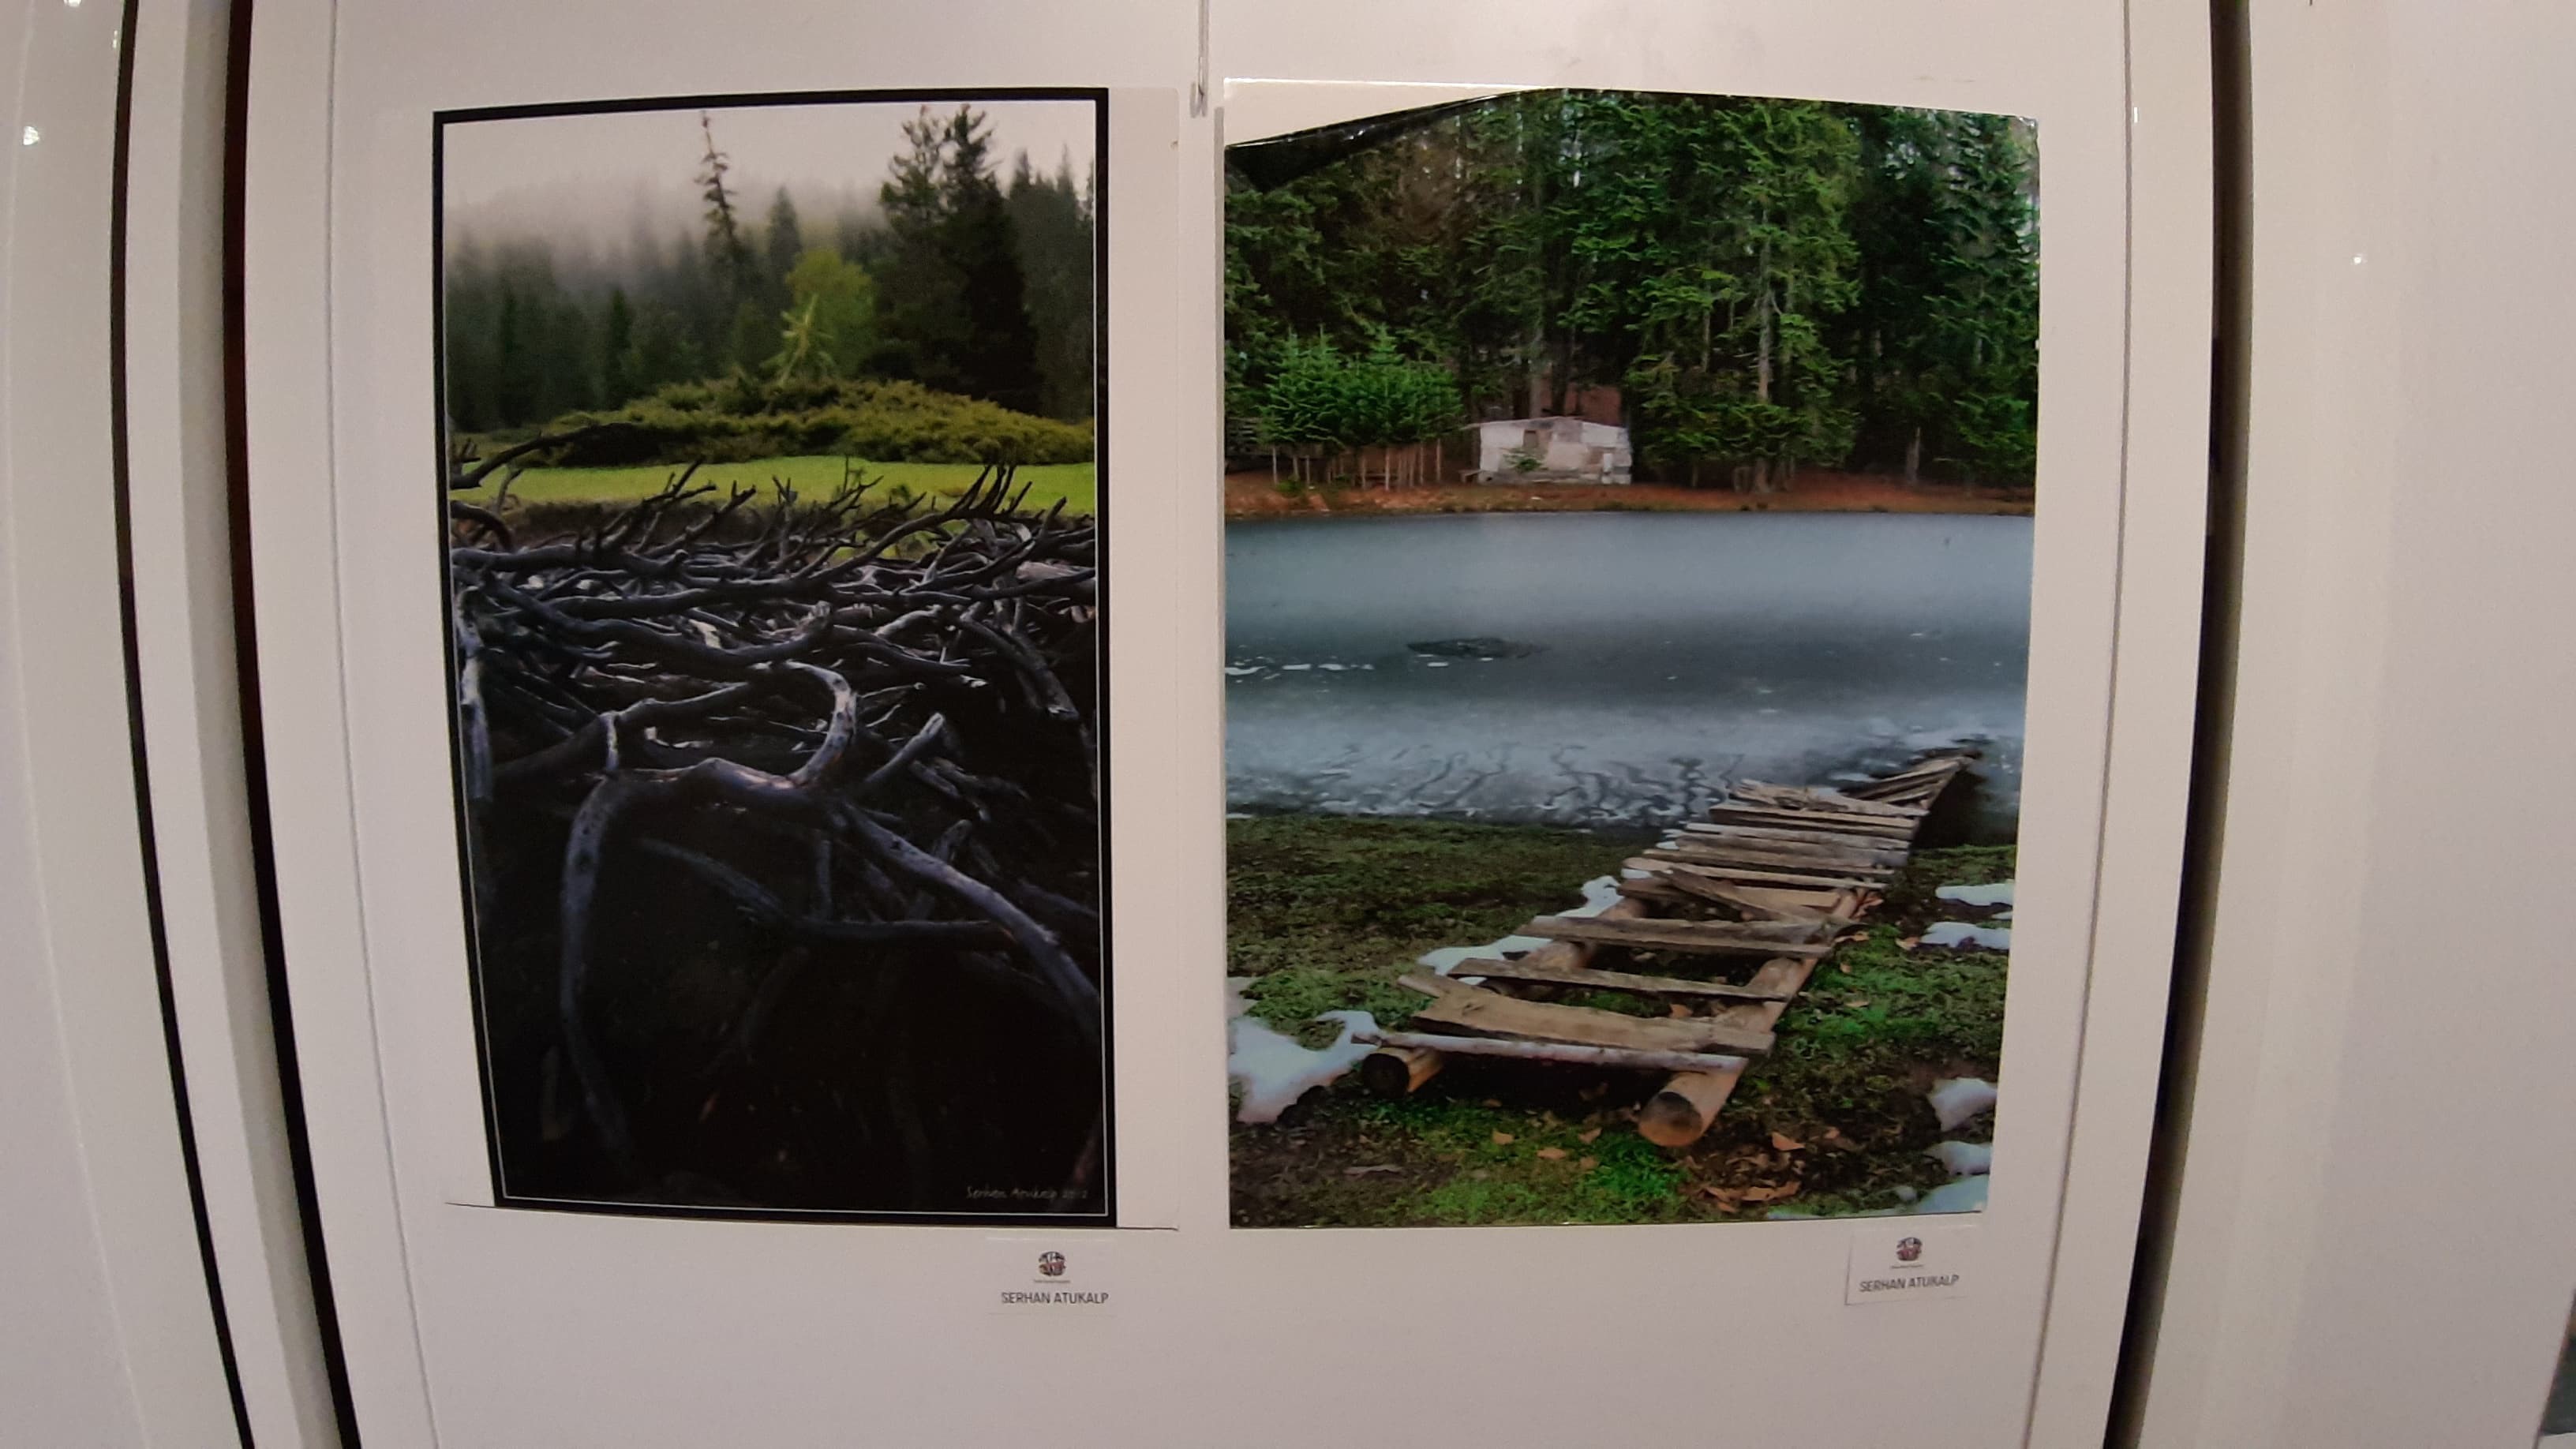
x=1773, y=876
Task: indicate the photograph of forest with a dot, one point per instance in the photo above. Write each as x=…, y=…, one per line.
x=770, y=514
x=1629, y=505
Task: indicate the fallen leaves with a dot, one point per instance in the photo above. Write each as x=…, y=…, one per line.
x=1372, y=1167
x=1504, y=1139
x=1552, y=1154
x=1588, y=1163
x=1783, y=1142
x=1588, y=1136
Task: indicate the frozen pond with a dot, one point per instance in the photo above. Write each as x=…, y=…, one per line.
x=1605, y=668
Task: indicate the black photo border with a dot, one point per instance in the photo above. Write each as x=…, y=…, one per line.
x=1098, y=98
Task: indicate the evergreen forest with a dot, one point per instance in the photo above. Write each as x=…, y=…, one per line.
x=1755, y=286
x=965, y=293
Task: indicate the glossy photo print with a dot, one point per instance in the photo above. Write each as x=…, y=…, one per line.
x=1628, y=566
x=771, y=513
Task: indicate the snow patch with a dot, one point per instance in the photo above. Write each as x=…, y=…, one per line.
x=1963, y=1159
x=1958, y=1100
x=1274, y=1069
x=1967, y=1195
x=1968, y=936
x=1998, y=894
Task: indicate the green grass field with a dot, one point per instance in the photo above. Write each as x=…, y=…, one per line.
x=813, y=477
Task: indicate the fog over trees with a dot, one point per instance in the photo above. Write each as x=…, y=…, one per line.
x=941, y=264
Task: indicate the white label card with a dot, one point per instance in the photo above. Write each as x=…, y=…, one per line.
x=1896, y=1259
x=1063, y=1273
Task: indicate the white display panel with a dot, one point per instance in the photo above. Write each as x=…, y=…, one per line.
x=470, y=1325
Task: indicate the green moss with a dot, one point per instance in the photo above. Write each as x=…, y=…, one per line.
x=1617, y=1177
x=1327, y=911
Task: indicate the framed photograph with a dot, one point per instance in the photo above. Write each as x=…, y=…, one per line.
x=1628, y=595
x=774, y=580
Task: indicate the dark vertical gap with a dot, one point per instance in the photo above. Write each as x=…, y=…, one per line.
x=2232, y=178
x=290, y=1078
x=1100, y=489
x=122, y=495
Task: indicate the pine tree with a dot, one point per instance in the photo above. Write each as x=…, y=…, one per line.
x=955, y=302
x=617, y=380
x=784, y=240
x=728, y=255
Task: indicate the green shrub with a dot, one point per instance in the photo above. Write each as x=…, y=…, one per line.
x=742, y=418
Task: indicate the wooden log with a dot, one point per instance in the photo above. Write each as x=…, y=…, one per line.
x=1395, y=1071
x=1673, y=861
x=1545, y=1051
x=1680, y=1113
x=1699, y=938
x=1474, y=1011
x=1600, y=980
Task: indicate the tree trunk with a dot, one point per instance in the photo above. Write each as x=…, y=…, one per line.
x=1914, y=458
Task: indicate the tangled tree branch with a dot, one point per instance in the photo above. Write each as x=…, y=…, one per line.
x=904, y=692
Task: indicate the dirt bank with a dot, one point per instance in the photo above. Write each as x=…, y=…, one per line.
x=1253, y=495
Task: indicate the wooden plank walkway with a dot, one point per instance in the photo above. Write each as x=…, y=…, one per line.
x=1774, y=874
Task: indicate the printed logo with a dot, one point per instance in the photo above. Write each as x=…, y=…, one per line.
x=1052, y=1264
x=1909, y=1249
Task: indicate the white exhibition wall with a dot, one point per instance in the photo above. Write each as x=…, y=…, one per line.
x=2375, y=1239
x=107, y=1335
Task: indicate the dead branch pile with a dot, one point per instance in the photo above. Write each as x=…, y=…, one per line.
x=866, y=722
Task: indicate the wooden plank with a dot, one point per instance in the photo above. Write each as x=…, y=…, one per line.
x=1788, y=797
x=1822, y=830
x=1710, y=837
x=1681, y=1112
x=1702, y=837
x=1719, y=893
x=1668, y=861
x=1598, y=979
x=1887, y=827
x=1545, y=1051
x=1765, y=837
x=1808, y=872
x=1926, y=780
x=1474, y=1012
x=1699, y=938
x=1839, y=908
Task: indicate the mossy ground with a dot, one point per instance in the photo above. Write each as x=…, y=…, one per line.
x=1326, y=913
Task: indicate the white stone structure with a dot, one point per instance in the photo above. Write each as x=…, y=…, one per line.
x=1551, y=450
